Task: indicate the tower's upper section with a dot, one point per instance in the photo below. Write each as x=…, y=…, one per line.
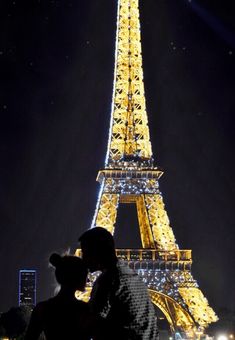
x=129, y=132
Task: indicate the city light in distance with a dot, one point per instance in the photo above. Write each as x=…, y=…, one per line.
x=222, y=337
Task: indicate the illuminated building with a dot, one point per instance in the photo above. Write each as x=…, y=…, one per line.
x=130, y=176
x=27, y=287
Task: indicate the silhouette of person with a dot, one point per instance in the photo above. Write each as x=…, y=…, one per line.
x=119, y=297
x=63, y=316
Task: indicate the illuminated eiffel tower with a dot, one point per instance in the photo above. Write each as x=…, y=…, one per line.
x=129, y=176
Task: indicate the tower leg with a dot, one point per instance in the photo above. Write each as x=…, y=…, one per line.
x=107, y=211
x=159, y=221
x=145, y=229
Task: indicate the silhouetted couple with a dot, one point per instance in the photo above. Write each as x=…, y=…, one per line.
x=119, y=307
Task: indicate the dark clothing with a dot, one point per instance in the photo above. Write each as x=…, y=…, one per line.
x=121, y=299
x=59, y=319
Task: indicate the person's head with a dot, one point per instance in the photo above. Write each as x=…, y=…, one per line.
x=98, y=249
x=70, y=271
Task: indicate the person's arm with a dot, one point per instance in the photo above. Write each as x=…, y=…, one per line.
x=35, y=324
x=100, y=304
x=104, y=292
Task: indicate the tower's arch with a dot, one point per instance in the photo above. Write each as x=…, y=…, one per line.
x=176, y=315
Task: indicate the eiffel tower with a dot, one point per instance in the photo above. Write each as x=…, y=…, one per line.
x=129, y=176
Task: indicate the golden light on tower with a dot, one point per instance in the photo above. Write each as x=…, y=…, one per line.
x=129, y=176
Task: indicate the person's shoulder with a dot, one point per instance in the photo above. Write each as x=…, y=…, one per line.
x=45, y=305
x=129, y=280
x=40, y=308
x=41, y=305
x=124, y=269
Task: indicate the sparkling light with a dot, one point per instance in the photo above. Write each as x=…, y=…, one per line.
x=222, y=337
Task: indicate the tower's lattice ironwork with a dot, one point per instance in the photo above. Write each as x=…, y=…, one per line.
x=129, y=176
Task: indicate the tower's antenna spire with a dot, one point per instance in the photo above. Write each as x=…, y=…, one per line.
x=129, y=131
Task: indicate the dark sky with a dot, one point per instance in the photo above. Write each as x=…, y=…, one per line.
x=56, y=64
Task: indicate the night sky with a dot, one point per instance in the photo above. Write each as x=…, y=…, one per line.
x=56, y=64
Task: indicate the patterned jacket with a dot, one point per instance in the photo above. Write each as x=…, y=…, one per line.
x=120, y=298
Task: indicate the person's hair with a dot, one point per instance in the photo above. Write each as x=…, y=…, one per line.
x=100, y=242
x=69, y=270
